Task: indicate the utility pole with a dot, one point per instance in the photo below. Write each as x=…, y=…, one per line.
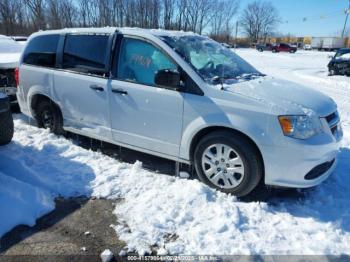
x=235, y=44
x=346, y=20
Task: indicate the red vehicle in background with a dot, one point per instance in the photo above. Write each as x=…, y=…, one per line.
x=284, y=48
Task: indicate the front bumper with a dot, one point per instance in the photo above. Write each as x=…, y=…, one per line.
x=287, y=166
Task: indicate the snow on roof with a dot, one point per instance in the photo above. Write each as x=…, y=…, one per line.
x=2, y=37
x=110, y=30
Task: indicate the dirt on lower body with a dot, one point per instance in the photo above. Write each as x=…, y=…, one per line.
x=77, y=230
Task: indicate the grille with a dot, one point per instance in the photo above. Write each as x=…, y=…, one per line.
x=7, y=78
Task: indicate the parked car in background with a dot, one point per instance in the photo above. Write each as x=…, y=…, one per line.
x=6, y=121
x=307, y=47
x=226, y=45
x=184, y=97
x=282, y=47
x=264, y=47
x=20, y=39
x=10, y=52
x=340, y=63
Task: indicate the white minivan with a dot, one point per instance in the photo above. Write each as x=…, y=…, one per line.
x=183, y=97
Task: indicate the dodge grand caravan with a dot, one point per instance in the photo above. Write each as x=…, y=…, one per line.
x=184, y=97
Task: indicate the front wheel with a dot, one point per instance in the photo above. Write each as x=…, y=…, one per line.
x=229, y=163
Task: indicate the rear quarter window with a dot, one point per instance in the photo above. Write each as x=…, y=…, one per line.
x=41, y=51
x=85, y=53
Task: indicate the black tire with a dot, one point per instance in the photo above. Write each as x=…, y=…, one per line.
x=6, y=127
x=332, y=72
x=48, y=115
x=260, y=50
x=274, y=51
x=253, y=167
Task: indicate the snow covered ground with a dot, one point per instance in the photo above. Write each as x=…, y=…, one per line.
x=179, y=216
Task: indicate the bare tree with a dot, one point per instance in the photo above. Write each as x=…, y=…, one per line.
x=105, y=8
x=69, y=13
x=168, y=13
x=199, y=14
x=37, y=13
x=28, y=16
x=12, y=17
x=259, y=19
x=54, y=12
x=88, y=11
x=83, y=9
x=222, y=20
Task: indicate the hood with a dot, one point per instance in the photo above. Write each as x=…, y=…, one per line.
x=10, y=53
x=9, y=60
x=284, y=97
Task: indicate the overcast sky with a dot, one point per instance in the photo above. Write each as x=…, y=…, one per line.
x=322, y=17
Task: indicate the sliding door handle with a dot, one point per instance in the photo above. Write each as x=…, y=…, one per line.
x=97, y=88
x=119, y=91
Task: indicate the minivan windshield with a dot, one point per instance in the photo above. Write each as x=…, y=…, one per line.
x=212, y=61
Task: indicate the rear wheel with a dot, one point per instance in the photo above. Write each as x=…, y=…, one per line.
x=49, y=116
x=228, y=162
x=6, y=127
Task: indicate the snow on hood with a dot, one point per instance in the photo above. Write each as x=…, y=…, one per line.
x=285, y=97
x=10, y=52
x=9, y=60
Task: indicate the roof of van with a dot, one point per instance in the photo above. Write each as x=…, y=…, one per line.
x=110, y=30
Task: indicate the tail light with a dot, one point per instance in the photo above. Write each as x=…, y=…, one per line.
x=17, y=76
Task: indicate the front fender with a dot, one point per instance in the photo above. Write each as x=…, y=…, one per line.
x=256, y=129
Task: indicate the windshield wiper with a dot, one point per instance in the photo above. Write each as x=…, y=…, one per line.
x=249, y=76
x=219, y=80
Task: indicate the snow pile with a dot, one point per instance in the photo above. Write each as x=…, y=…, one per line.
x=21, y=203
x=106, y=255
x=177, y=216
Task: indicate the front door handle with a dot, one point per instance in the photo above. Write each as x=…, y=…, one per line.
x=97, y=88
x=119, y=91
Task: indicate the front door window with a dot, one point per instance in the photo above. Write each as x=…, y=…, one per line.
x=139, y=62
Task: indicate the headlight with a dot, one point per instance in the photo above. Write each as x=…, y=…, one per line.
x=300, y=127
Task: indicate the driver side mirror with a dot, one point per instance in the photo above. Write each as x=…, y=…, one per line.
x=330, y=56
x=167, y=78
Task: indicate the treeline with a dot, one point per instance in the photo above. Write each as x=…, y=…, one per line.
x=22, y=17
